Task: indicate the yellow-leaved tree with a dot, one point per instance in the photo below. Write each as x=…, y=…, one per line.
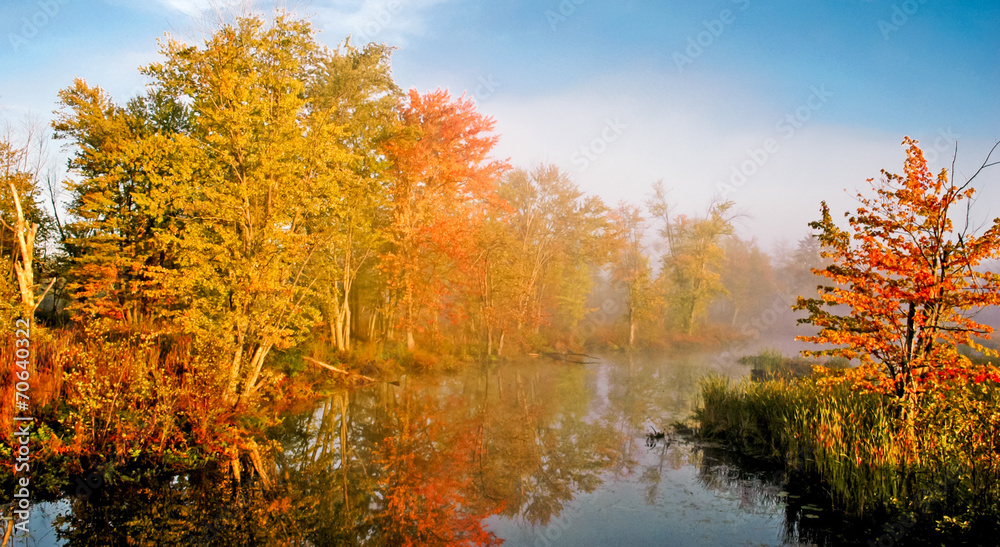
x=192, y=202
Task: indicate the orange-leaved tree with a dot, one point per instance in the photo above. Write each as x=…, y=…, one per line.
x=442, y=178
x=904, y=278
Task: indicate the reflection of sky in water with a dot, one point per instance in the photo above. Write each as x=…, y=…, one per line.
x=658, y=497
x=42, y=533
x=684, y=513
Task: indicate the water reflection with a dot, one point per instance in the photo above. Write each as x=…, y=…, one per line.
x=425, y=462
x=535, y=453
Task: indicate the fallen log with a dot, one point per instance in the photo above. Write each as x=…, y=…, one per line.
x=570, y=357
x=339, y=371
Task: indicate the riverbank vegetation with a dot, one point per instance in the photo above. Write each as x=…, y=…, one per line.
x=822, y=428
x=913, y=427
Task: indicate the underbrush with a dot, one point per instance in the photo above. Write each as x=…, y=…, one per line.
x=946, y=479
x=131, y=405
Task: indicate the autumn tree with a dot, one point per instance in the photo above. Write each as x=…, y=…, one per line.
x=441, y=175
x=906, y=273
x=748, y=277
x=496, y=275
x=558, y=242
x=192, y=200
x=252, y=193
x=130, y=164
x=693, y=256
x=795, y=265
x=630, y=264
x=352, y=113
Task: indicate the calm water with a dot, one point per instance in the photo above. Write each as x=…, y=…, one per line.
x=535, y=453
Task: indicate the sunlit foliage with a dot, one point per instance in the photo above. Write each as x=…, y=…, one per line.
x=908, y=271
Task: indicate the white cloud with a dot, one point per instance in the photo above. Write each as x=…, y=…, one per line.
x=197, y=8
x=393, y=22
x=189, y=7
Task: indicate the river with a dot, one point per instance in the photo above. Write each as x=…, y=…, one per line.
x=535, y=453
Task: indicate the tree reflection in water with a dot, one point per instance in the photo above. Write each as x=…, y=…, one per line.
x=427, y=461
x=422, y=463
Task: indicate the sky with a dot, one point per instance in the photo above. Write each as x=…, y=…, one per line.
x=776, y=105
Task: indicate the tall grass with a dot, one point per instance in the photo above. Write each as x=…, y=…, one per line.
x=50, y=354
x=854, y=442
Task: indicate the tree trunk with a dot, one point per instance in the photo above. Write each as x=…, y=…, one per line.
x=348, y=316
x=355, y=318
x=410, y=344
x=234, y=371
x=235, y=465
x=24, y=270
x=256, y=364
x=372, y=320
x=337, y=325
x=344, y=312
x=335, y=337
x=694, y=298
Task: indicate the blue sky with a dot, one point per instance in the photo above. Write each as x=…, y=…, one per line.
x=775, y=105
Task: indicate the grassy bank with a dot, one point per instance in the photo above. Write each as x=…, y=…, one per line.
x=947, y=479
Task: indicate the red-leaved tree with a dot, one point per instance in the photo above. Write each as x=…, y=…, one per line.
x=905, y=276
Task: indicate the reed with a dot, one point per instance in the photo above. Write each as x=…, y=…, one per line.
x=854, y=442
